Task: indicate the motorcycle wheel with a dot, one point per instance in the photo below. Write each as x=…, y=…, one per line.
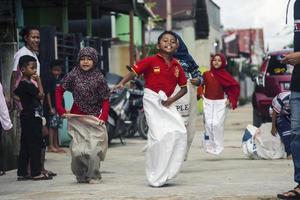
x=131, y=131
x=142, y=125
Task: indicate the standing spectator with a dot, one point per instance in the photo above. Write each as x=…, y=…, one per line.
x=31, y=38
x=31, y=121
x=167, y=138
x=294, y=58
x=91, y=106
x=187, y=105
x=281, y=119
x=218, y=83
x=54, y=120
x=5, y=123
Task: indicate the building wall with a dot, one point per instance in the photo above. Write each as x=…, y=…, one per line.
x=122, y=29
x=119, y=58
x=206, y=48
x=201, y=50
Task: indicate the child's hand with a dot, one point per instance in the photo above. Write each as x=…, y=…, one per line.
x=65, y=114
x=35, y=77
x=167, y=103
x=228, y=104
x=101, y=122
x=195, y=81
x=120, y=86
x=273, y=131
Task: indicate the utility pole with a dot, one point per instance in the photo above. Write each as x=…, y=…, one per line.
x=169, y=15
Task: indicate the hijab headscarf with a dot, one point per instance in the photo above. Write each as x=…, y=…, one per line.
x=182, y=53
x=230, y=85
x=89, y=88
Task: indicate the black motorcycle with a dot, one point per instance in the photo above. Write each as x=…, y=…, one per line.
x=126, y=106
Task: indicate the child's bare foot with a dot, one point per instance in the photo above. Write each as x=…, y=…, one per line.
x=52, y=149
x=94, y=181
x=60, y=150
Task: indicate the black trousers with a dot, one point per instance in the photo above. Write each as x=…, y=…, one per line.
x=31, y=145
x=297, y=31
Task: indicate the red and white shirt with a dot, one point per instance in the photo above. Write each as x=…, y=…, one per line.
x=159, y=75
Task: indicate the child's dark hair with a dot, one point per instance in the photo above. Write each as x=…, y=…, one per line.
x=164, y=33
x=56, y=63
x=24, y=61
x=26, y=31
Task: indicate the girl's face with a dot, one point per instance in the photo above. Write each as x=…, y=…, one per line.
x=217, y=62
x=33, y=40
x=86, y=63
x=168, y=44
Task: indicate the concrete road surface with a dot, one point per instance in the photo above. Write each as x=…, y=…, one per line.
x=229, y=176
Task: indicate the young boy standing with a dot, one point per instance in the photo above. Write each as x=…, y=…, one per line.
x=54, y=120
x=167, y=139
x=31, y=120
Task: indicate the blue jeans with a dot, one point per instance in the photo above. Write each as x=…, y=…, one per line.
x=283, y=125
x=295, y=126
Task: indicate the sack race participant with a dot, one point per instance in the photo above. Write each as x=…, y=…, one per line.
x=91, y=106
x=221, y=90
x=88, y=146
x=167, y=138
x=187, y=105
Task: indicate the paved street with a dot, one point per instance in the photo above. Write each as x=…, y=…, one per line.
x=229, y=176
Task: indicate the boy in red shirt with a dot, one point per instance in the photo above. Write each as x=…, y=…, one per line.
x=167, y=138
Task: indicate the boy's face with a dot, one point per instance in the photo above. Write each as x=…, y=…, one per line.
x=168, y=44
x=30, y=69
x=217, y=62
x=86, y=63
x=33, y=40
x=56, y=71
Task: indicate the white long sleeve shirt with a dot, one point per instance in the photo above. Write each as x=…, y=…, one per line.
x=4, y=115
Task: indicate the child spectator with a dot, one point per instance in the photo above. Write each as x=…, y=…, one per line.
x=167, y=138
x=217, y=83
x=86, y=123
x=31, y=120
x=281, y=119
x=54, y=120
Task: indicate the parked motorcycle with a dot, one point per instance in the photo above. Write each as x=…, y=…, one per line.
x=142, y=125
x=125, y=108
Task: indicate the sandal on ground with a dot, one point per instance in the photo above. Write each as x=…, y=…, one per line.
x=42, y=177
x=49, y=173
x=292, y=194
x=2, y=173
x=24, y=178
